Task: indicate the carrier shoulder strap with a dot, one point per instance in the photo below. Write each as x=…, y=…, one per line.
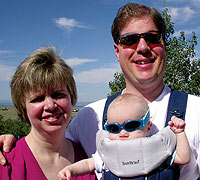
x=108, y=101
x=177, y=105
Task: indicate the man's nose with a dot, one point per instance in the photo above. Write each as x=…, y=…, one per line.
x=142, y=46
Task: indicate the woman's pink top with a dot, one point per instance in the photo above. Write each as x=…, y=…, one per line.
x=21, y=164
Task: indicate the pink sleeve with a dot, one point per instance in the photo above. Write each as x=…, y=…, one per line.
x=14, y=168
x=5, y=172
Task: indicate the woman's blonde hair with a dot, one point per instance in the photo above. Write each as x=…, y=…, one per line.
x=43, y=69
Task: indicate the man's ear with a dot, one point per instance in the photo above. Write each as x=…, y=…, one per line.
x=116, y=51
x=149, y=125
x=164, y=43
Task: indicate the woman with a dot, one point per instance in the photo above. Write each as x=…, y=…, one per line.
x=43, y=92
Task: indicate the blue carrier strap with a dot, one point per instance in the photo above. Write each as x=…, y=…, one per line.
x=176, y=106
x=108, y=101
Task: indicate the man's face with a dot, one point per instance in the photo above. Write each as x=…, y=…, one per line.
x=142, y=63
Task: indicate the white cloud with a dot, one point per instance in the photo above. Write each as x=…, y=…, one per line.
x=181, y=15
x=99, y=75
x=6, y=72
x=186, y=32
x=69, y=24
x=77, y=61
x=3, y=52
x=195, y=2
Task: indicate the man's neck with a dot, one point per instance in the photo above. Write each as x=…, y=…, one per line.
x=148, y=92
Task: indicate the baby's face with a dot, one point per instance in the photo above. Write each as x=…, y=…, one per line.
x=127, y=116
x=123, y=135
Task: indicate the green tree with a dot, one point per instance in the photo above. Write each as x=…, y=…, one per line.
x=118, y=84
x=182, y=70
x=16, y=127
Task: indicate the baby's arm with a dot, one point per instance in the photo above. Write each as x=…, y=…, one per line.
x=79, y=168
x=182, y=156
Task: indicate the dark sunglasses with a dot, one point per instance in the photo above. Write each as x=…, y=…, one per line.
x=128, y=39
x=129, y=126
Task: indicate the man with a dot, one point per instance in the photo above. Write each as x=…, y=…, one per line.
x=139, y=43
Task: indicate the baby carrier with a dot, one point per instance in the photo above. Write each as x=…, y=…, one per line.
x=176, y=106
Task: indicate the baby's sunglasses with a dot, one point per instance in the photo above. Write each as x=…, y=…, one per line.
x=129, y=126
x=152, y=37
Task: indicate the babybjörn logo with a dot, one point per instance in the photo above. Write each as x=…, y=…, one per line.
x=130, y=162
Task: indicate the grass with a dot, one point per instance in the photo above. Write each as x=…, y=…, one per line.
x=10, y=113
x=74, y=114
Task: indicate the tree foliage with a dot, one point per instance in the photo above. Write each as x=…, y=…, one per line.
x=182, y=70
x=16, y=127
x=118, y=84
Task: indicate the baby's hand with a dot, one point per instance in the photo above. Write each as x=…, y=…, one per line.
x=177, y=125
x=64, y=174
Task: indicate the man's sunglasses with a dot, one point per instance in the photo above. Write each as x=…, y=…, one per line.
x=128, y=39
x=129, y=126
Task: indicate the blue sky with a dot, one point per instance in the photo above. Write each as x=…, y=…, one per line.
x=80, y=31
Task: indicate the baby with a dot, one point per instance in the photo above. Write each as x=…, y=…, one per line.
x=128, y=118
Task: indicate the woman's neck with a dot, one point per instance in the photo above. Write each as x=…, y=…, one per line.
x=44, y=140
x=52, y=154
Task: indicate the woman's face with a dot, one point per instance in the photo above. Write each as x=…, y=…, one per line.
x=49, y=110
